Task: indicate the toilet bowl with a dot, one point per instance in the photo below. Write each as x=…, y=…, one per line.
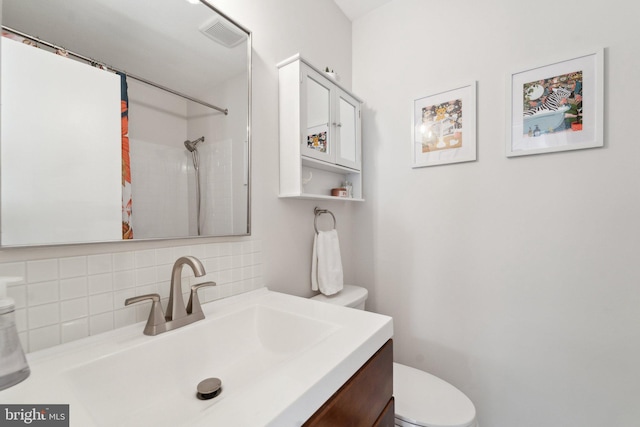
x=421, y=399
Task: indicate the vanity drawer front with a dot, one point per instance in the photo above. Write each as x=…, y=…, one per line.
x=388, y=416
x=361, y=401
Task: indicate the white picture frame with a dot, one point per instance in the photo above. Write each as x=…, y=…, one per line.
x=444, y=127
x=543, y=117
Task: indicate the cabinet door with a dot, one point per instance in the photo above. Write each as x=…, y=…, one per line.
x=365, y=400
x=348, y=130
x=317, y=132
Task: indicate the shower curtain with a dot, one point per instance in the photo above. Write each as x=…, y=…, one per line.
x=127, y=225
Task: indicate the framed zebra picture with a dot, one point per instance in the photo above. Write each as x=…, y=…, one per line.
x=444, y=127
x=556, y=107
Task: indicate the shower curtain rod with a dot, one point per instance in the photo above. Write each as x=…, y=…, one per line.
x=225, y=111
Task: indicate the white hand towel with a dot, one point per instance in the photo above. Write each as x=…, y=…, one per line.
x=314, y=264
x=326, y=265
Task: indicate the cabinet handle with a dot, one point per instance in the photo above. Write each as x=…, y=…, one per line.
x=339, y=125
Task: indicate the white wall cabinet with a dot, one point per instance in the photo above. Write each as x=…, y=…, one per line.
x=320, y=140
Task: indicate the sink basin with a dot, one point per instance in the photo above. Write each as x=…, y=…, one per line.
x=241, y=348
x=279, y=358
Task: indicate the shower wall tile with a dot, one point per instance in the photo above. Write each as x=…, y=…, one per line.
x=59, y=300
x=159, y=166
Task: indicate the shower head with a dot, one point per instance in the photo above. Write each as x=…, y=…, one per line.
x=191, y=145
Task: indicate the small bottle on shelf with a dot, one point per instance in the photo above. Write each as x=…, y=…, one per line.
x=349, y=187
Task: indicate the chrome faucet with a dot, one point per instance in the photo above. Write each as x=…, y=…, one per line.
x=177, y=314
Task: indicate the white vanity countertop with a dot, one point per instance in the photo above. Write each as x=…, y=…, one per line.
x=279, y=357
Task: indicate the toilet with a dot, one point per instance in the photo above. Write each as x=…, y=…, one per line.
x=421, y=399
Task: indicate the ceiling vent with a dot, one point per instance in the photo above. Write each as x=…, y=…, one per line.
x=223, y=32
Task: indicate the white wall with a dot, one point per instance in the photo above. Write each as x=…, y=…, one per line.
x=514, y=279
x=322, y=34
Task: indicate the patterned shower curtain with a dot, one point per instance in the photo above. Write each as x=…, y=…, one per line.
x=127, y=225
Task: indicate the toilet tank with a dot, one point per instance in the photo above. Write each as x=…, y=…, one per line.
x=349, y=296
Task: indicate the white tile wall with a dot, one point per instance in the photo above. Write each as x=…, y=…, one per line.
x=65, y=299
x=159, y=186
x=217, y=181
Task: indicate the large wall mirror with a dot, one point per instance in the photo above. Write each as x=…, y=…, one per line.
x=122, y=119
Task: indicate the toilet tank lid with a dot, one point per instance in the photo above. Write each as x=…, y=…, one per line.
x=349, y=296
x=423, y=399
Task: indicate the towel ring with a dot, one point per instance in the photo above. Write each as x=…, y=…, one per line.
x=318, y=212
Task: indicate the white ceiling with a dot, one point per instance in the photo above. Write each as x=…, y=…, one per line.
x=354, y=9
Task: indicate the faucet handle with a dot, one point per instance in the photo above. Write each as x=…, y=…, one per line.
x=193, y=307
x=156, y=323
x=140, y=298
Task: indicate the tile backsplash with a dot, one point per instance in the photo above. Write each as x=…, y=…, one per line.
x=65, y=299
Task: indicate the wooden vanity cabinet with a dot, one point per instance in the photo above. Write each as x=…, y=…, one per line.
x=365, y=400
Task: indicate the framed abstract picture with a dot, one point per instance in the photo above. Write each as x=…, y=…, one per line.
x=444, y=127
x=556, y=107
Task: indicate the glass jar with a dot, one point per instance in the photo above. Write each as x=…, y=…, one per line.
x=13, y=363
x=349, y=187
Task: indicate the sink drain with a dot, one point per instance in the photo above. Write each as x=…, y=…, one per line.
x=209, y=388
